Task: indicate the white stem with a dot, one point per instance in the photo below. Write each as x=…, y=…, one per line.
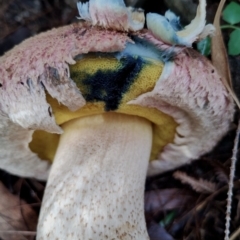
x=96, y=185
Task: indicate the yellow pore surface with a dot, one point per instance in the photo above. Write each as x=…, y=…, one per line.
x=102, y=69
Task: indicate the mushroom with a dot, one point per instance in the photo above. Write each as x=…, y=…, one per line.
x=100, y=98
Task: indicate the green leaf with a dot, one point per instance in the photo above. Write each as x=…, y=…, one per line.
x=168, y=219
x=231, y=13
x=204, y=46
x=234, y=43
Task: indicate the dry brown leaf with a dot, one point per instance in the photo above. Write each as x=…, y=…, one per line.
x=15, y=215
x=219, y=54
x=166, y=199
x=156, y=232
x=199, y=185
x=235, y=235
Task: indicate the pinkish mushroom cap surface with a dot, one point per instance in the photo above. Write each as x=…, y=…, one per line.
x=109, y=96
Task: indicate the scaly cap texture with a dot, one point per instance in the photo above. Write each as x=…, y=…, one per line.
x=189, y=90
x=111, y=15
x=168, y=29
x=39, y=65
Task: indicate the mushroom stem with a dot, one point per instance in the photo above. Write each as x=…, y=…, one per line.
x=96, y=185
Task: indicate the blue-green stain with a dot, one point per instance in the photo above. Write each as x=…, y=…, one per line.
x=163, y=55
x=109, y=86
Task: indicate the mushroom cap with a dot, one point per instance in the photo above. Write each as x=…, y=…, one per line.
x=36, y=66
x=176, y=88
x=111, y=14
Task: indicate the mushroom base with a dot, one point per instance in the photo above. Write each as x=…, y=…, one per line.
x=96, y=185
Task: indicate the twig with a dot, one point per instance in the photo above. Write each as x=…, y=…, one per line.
x=235, y=234
x=27, y=233
x=231, y=184
x=199, y=185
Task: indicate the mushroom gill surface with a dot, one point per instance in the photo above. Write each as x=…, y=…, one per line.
x=108, y=84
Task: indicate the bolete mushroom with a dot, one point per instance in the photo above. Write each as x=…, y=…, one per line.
x=100, y=98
